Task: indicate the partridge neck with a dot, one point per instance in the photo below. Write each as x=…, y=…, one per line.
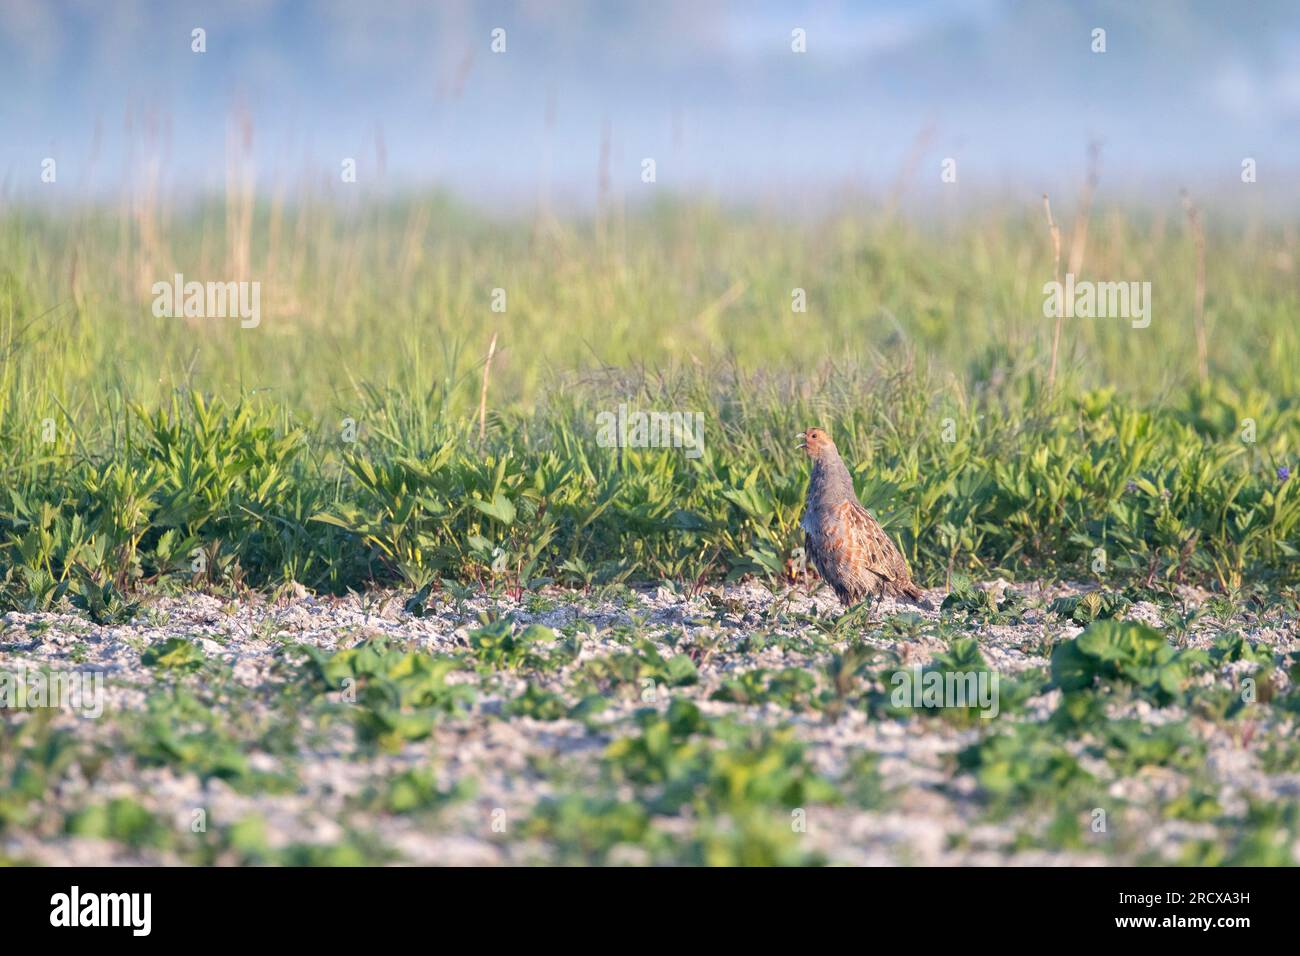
x=831, y=482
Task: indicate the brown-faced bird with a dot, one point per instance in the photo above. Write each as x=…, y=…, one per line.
x=851, y=551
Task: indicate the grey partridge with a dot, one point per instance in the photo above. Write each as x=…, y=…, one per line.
x=851, y=551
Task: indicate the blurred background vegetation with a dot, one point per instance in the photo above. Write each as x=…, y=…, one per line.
x=196, y=450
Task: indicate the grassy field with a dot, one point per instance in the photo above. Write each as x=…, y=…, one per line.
x=337, y=443
x=562, y=652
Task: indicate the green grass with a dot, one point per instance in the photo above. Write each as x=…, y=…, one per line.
x=199, y=452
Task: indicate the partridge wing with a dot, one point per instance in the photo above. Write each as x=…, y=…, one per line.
x=869, y=547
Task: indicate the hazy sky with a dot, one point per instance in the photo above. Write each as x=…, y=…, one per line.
x=711, y=91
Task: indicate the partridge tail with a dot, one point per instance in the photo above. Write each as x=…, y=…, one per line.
x=915, y=594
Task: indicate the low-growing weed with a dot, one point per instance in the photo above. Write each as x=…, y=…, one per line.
x=1111, y=652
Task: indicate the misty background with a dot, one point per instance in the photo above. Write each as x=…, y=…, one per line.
x=1012, y=91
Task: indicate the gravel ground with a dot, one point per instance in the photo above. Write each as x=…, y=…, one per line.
x=928, y=812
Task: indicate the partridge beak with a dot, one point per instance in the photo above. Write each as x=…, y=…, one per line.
x=803, y=440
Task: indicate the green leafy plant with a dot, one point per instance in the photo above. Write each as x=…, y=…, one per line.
x=398, y=695
x=175, y=653
x=1020, y=767
x=103, y=602
x=1124, y=653
x=1091, y=606
x=502, y=645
